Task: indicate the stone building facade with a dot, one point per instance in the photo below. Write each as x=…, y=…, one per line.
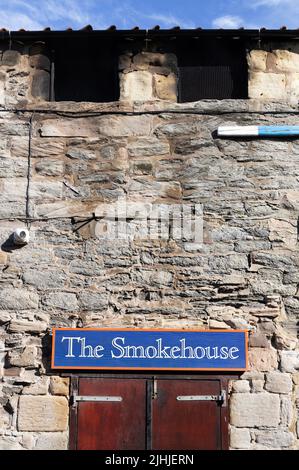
x=61, y=161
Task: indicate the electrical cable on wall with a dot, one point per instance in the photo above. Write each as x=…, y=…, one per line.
x=28, y=214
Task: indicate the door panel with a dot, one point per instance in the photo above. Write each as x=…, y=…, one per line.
x=185, y=424
x=149, y=414
x=112, y=425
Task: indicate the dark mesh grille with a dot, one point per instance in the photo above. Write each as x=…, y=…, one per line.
x=213, y=70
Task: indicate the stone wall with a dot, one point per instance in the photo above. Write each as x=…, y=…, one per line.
x=148, y=75
x=60, y=162
x=24, y=75
x=274, y=73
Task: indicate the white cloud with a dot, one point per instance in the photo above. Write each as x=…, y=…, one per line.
x=272, y=3
x=169, y=20
x=16, y=21
x=228, y=22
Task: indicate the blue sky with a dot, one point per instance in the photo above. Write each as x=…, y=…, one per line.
x=60, y=14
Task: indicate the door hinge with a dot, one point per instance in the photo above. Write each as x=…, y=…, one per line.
x=74, y=399
x=154, y=389
x=219, y=398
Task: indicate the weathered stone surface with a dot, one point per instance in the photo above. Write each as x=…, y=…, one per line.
x=40, y=87
x=287, y=411
x=10, y=443
x=52, y=441
x=267, y=86
x=40, y=387
x=59, y=385
x=44, y=280
x=92, y=301
x=278, y=382
x=166, y=87
x=18, y=299
x=275, y=439
x=239, y=438
x=40, y=61
x=254, y=410
x=241, y=386
x=257, y=60
x=44, y=413
x=136, y=86
x=24, y=358
x=257, y=386
x=289, y=361
x=32, y=326
x=147, y=147
x=10, y=57
x=285, y=61
x=50, y=167
x=62, y=300
x=262, y=359
x=116, y=126
x=258, y=340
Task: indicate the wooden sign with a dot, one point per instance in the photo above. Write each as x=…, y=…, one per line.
x=136, y=349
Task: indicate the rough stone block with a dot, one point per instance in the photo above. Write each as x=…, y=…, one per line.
x=18, y=299
x=278, y=382
x=275, y=439
x=26, y=358
x=292, y=83
x=136, y=86
x=40, y=61
x=40, y=87
x=289, y=361
x=166, y=87
x=263, y=359
x=62, y=300
x=67, y=128
x=144, y=60
x=258, y=340
x=147, y=147
x=254, y=410
x=50, y=167
x=39, y=388
x=44, y=280
x=218, y=325
x=284, y=60
x=257, y=386
x=93, y=301
x=257, y=60
x=239, y=438
x=241, y=386
x=34, y=326
x=52, y=441
x=287, y=411
x=11, y=58
x=124, y=126
x=10, y=443
x=267, y=86
x=59, y=385
x=46, y=413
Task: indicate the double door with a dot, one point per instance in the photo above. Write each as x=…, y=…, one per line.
x=135, y=413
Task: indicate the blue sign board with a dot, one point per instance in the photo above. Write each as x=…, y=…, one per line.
x=135, y=349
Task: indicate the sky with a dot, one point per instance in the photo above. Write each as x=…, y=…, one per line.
x=125, y=14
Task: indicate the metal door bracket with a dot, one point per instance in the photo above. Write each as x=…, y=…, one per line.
x=220, y=398
x=87, y=398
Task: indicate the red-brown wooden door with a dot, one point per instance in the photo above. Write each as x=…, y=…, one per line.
x=112, y=425
x=181, y=419
x=148, y=413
